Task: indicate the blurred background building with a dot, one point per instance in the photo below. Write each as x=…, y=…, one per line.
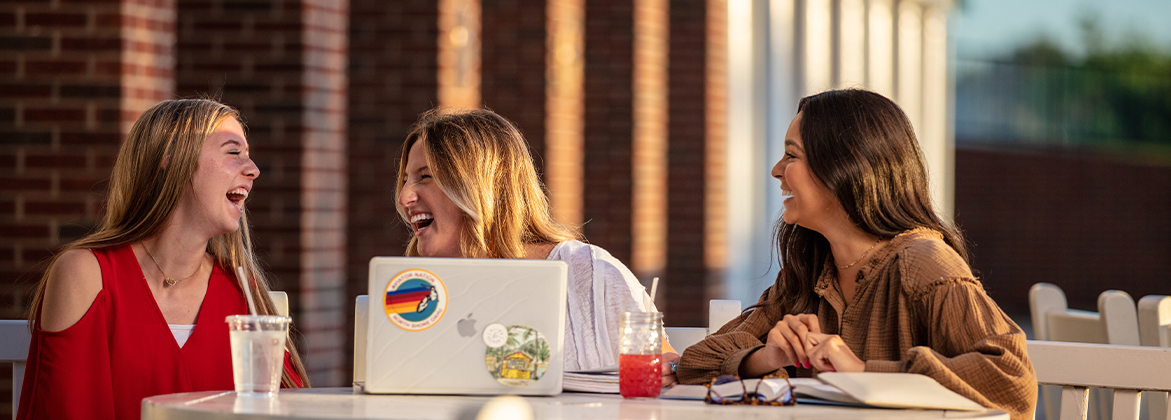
x=654, y=124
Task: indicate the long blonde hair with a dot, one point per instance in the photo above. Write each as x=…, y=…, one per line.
x=482, y=163
x=155, y=168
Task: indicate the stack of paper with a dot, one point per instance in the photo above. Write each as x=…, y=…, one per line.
x=601, y=380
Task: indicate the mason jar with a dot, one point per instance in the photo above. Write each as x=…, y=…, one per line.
x=640, y=359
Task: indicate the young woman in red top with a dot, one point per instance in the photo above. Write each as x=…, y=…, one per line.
x=137, y=308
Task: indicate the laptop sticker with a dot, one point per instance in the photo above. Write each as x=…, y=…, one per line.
x=416, y=299
x=495, y=335
x=520, y=359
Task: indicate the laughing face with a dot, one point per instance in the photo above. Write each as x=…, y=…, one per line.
x=809, y=203
x=434, y=218
x=222, y=180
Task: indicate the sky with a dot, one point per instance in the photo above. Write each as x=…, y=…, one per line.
x=984, y=28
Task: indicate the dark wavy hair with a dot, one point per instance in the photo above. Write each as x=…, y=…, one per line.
x=862, y=147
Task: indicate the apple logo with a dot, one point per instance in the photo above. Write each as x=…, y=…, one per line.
x=466, y=326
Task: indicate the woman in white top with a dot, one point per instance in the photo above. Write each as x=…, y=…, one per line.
x=468, y=189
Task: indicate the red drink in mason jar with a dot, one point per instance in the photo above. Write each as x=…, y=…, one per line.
x=640, y=375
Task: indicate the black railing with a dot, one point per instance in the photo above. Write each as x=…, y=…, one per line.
x=1060, y=105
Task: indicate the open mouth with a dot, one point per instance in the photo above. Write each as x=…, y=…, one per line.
x=237, y=197
x=421, y=221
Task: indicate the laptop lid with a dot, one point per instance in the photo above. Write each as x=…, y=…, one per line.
x=465, y=326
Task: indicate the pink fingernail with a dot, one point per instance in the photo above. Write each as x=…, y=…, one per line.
x=808, y=365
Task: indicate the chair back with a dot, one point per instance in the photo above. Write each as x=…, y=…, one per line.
x=719, y=313
x=1116, y=322
x=14, y=341
x=280, y=302
x=1076, y=367
x=1154, y=324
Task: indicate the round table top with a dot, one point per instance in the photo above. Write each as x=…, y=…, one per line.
x=345, y=403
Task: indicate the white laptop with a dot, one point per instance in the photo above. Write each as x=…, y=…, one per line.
x=465, y=326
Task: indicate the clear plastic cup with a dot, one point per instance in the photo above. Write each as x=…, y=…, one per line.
x=258, y=352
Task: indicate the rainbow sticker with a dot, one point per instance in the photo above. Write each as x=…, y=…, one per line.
x=415, y=299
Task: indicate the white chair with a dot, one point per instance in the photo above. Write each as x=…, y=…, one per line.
x=1076, y=367
x=1116, y=322
x=719, y=313
x=280, y=302
x=1154, y=324
x=14, y=347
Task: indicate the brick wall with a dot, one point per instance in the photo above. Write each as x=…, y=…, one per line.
x=564, y=108
x=649, y=143
x=1086, y=222
x=73, y=77
x=392, y=78
x=608, y=124
x=281, y=63
x=693, y=170
x=512, y=75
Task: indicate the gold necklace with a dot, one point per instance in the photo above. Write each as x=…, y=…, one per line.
x=167, y=280
x=863, y=255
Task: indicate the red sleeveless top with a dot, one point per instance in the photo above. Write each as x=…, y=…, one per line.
x=122, y=349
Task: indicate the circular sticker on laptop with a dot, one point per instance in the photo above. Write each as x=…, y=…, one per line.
x=521, y=359
x=415, y=299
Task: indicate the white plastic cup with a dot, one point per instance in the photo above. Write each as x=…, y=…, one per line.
x=258, y=352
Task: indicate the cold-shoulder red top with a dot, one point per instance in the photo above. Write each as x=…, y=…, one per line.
x=122, y=349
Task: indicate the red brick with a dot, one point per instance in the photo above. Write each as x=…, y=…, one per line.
x=54, y=68
x=55, y=19
x=25, y=90
x=7, y=161
x=84, y=184
x=7, y=207
x=23, y=231
x=53, y=208
x=54, y=161
x=54, y=115
x=25, y=43
x=25, y=184
x=7, y=67
x=35, y=255
x=91, y=44
x=7, y=19
x=91, y=138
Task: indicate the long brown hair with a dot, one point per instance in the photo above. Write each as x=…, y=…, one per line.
x=862, y=147
x=482, y=163
x=144, y=192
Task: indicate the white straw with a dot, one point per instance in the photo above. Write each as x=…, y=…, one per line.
x=654, y=287
x=247, y=290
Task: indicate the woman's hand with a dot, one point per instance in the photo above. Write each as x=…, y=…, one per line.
x=787, y=338
x=829, y=354
x=668, y=375
x=785, y=346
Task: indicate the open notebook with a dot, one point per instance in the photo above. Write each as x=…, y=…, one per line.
x=864, y=389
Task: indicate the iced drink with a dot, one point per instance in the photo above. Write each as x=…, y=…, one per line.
x=640, y=375
x=258, y=352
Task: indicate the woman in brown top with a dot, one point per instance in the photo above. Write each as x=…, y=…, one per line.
x=871, y=279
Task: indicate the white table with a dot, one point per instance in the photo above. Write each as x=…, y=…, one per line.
x=344, y=403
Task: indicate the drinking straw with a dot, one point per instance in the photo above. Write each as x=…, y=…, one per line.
x=654, y=287
x=247, y=290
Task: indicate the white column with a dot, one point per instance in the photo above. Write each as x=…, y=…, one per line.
x=747, y=214
x=880, y=47
x=852, y=43
x=818, y=49
x=936, y=135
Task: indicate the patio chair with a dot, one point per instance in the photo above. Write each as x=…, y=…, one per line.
x=1154, y=324
x=1116, y=322
x=719, y=313
x=1076, y=367
x=14, y=349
